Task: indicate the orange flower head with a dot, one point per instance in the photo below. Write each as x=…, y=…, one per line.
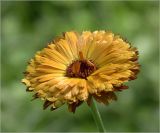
x=76, y=67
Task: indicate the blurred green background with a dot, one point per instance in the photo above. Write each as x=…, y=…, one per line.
x=28, y=26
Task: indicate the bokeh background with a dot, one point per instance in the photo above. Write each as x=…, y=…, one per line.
x=28, y=26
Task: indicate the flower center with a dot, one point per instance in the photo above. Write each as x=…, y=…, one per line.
x=80, y=68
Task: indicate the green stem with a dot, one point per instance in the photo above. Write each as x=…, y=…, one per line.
x=96, y=116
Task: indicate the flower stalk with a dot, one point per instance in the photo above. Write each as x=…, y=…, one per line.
x=96, y=116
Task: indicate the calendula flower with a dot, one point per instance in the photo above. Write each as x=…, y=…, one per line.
x=77, y=67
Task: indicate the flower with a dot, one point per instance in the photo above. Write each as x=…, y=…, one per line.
x=74, y=68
